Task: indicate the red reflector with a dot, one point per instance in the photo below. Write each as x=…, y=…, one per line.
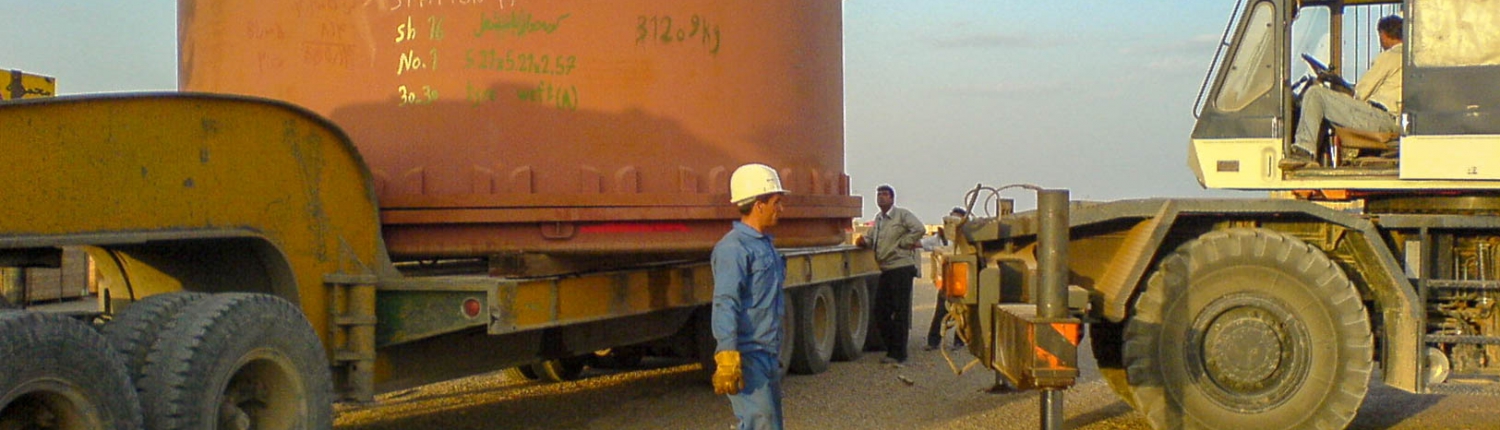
x=471, y=308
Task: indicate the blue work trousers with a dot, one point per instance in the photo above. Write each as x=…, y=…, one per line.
x=758, y=405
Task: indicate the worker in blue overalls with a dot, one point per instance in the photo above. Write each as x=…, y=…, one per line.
x=747, y=303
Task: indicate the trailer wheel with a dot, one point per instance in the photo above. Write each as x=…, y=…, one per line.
x=817, y=323
x=853, y=308
x=60, y=373
x=520, y=373
x=1248, y=328
x=238, y=361
x=134, y=330
x=561, y=370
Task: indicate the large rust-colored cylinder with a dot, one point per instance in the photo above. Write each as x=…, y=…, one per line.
x=565, y=126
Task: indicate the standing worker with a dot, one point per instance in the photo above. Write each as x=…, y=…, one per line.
x=896, y=236
x=935, y=330
x=747, y=303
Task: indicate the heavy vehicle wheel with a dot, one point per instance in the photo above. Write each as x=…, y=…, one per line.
x=520, y=373
x=788, y=333
x=817, y=322
x=563, y=370
x=134, y=330
x=61, y=374
x=853, y=307
x=1108, y=342
x=617, y=358
x=238, y=361
x=1248, y=328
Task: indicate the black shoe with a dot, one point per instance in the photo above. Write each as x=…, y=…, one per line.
x=1297, y=158
x=929, y=347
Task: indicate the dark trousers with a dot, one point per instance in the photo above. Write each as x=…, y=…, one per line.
x=893, y=309
x=935, y=330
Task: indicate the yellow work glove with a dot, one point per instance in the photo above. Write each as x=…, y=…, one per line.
x=727, y=378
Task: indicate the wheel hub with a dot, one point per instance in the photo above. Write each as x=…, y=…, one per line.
x=1249, y=351
x=1243, y=349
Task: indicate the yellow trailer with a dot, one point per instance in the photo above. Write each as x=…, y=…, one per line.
x=244, y=281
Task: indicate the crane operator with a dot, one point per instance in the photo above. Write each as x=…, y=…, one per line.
x=1373, y=107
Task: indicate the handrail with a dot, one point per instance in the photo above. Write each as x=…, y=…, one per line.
x=1218, y=55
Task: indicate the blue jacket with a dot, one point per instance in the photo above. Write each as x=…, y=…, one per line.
x=748, y=272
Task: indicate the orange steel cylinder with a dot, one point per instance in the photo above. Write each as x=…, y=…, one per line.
x=497, y=126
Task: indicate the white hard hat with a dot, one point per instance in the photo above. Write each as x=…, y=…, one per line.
x=751, y=181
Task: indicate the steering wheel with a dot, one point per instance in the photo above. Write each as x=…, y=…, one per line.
x=1318, y=67
x=1327, y=75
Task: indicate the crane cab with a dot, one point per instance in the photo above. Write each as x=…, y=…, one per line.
x=1449, y=138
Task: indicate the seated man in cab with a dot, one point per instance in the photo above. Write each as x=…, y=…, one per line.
x=1373, y=107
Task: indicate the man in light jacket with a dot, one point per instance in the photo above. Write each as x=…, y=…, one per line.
x=896, y=237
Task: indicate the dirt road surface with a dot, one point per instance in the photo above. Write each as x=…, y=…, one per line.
x=862, y=394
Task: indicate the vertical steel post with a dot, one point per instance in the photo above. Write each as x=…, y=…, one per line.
x=1052, y=293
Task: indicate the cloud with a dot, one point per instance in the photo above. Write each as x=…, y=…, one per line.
x=992, y=40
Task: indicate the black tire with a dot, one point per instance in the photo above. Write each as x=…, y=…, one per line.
x=520, y=373
x=853, y=306
x=238, y=361
x=618, y=358
x=1248, y=328
x=134, y=330
x=788, y=333
x=817, y=325
x=1108, y=342
x=564, y=370
x=61, y=372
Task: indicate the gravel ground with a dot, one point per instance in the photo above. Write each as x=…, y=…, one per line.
x=863, y=394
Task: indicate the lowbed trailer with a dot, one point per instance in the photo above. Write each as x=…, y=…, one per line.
x=244, y=282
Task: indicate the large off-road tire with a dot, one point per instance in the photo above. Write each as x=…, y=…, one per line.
x=1248, y=328
x=238, y=361
x=61, y=374
x=133, y=331
x=562, y=370
x=853, y=305
x=817, y=323
x=1107, y=339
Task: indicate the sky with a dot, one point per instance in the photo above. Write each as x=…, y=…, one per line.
x=940, y=95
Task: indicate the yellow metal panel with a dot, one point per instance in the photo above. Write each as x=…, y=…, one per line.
x=22, y=85
x=1451, y=157
x=587, y=298
x=533, y=305
x=130, y=170
x=1427, y=163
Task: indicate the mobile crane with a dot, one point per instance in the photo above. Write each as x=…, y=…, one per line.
x=1274, y=313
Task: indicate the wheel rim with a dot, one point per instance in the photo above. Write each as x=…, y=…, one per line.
x=264, y=394
x=1252, y=350
x=48, y=403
